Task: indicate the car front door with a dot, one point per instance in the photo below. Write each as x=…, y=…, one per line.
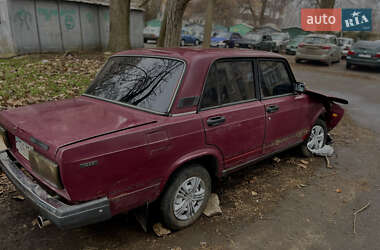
x=286, y=117
x=233, y=117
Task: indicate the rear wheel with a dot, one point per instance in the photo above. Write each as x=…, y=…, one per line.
x=316, y=140
x=186, y=197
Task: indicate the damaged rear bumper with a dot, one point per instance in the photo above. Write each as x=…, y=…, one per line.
x=63, y=215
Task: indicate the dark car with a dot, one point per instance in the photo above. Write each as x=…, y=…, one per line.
x=224, y=39
x=189, y=39
x=364, y=53
x=256, y=41
x=292, y=46
x=159, y=124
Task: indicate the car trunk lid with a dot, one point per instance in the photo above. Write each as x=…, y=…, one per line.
x=61, y=123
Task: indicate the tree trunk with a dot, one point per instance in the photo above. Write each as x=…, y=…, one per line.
x=119, y=25
x=262, y=12
x=175, y=9
x=161, y=38
x=208, y=24
x=326, y=4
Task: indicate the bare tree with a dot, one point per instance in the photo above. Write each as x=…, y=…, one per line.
x=208, y=24
x=325, y=4
x=119, y=25
x=161, y=38
x=173, y=24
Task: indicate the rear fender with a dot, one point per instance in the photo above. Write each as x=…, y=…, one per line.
x=209, y=151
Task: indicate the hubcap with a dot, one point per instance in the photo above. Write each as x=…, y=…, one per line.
x=189, y=198
x=316, y=138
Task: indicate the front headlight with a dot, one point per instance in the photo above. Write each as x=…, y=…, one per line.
x=4, y=143
x=45, y=168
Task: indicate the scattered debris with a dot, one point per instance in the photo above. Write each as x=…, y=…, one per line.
x=276, y=159
x=203, y=244
x=176, y=248
x=254, y=193
x=160, y=230
x=304, y=162
x=213, y=207
x=302, y=185
x=302, y=165
x=338, y=190
x=357, y=212
x=18, y=197
x=326, y=150
x=107, y=53
x=327, y=162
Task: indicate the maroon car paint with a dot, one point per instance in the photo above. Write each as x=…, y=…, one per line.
x=137, y=151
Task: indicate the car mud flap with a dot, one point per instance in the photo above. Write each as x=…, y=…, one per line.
x=142, y=216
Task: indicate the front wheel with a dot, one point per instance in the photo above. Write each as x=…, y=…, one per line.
x=316, y=140
x=196, y=43
x=186, y=197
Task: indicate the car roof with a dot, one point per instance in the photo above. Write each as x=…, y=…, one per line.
x=198, y=54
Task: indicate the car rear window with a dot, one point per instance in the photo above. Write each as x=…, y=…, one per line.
x=315, y=40
x=144, y=82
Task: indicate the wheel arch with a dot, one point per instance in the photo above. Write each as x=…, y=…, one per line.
x=211, y=159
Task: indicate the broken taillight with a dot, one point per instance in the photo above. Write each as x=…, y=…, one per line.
x=350, y=53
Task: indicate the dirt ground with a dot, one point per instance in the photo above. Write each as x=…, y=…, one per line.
x=272, y=205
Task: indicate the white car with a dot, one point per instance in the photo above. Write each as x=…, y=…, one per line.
x=345, y=45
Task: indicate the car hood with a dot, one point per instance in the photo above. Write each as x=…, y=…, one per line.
x=60, y=123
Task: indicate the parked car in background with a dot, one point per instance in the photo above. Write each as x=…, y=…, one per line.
x=189, y=39
x=159, y=124
x=319, y=47
x=256, y=41
x=151, y=33
x=281, y=40
x=224, y=39
x=364, y=53
x=345, y=45
x=292, y=46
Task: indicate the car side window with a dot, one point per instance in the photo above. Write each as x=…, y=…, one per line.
x=274, y=79
x=228, y=82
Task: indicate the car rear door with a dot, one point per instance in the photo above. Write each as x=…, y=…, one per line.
x=232, y=115
x=286, y=112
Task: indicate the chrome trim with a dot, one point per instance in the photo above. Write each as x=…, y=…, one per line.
x=144, y=109
x=182, y=114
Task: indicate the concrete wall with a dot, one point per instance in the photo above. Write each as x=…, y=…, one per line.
x=56, y=25
x=6, y=45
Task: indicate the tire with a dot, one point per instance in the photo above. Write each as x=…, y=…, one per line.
x=170, y=206
x=329, y=62
x=196, y=42
x=182, y=43
x=319, y=124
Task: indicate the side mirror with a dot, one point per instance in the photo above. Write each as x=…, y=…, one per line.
x=299, y=87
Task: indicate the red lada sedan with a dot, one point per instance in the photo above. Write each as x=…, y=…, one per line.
x=159, y=124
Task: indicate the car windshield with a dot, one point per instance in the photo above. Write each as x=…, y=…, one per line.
x=222, y=35
x=255, y=37
x=145, y=82
x=315, y=40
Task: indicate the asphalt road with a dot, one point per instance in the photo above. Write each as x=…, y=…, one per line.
x=316, y=215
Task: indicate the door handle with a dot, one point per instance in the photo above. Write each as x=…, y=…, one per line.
x=272, y=108
x=215, y=120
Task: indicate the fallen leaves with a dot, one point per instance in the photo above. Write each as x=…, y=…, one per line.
x=40, y=78
x=160, y=230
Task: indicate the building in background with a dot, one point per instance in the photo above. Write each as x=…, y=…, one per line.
x=34, y=26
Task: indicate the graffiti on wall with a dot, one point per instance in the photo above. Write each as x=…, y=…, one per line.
x=23, y=18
